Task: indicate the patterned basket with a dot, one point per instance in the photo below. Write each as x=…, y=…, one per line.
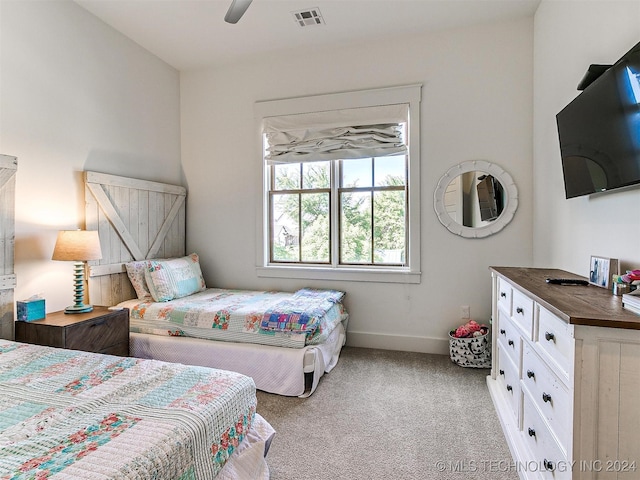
x=472, y=352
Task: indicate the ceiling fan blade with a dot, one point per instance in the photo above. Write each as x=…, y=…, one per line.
x=236, y=10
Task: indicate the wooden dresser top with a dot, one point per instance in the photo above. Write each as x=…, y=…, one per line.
x=576, y=304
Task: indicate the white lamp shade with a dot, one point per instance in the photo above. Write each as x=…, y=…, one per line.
x=77, y=246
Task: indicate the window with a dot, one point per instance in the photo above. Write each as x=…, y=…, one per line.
x=370, y=227
x=341, y=186
x=373, y=211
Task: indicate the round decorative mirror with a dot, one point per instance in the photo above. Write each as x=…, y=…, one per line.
x=475, y=199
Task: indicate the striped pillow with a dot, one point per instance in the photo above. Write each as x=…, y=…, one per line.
x=175, y=278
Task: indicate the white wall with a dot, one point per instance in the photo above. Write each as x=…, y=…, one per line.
x=75, y=95
x=477, y=104
x=569, y=36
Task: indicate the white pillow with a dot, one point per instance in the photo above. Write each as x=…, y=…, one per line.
x=174, y=278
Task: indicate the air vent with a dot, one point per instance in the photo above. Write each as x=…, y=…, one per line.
x=308, y=17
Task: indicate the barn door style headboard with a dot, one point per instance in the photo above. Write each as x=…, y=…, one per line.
x=136, y=220
x=8, y=168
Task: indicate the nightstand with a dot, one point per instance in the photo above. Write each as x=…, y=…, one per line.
x=99, y=331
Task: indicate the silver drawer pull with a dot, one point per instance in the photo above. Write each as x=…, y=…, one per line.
x=546, y=397
x=530, y=374
x=520, y=310
x=548, y=465
x=549, y=336
x=532, y=432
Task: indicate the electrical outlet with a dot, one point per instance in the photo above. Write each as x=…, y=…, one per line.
x=465, y=312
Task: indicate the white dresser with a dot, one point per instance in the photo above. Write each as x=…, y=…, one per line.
x=565, y=379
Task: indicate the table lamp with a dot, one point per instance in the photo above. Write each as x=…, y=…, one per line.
x=78, y=246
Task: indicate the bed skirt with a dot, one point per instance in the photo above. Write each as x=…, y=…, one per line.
x=248, y=460
x=278, y=370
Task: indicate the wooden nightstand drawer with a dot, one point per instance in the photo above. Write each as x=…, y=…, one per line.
x=98, y=334
x=99, y=331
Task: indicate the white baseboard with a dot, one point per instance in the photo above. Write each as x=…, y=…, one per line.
x=404, y=343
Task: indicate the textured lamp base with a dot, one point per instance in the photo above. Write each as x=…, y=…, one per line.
x=78, y=308
x=78, y=281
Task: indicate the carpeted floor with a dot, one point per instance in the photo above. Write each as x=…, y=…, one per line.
x=389, y=415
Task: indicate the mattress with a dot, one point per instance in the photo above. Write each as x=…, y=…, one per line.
x=283, y=371
x=66, y=414
x=280, y=319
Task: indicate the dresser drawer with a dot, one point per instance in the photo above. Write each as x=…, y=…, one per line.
x=522, y=313
x=105, y=334
x=555, y=340
x=549, y=394
x=504, y=295
x=509, y=382
x=510, y=339
x=548, y=458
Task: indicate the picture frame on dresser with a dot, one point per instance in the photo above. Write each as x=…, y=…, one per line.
x=601, y=269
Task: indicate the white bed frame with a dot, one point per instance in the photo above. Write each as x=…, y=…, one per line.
x=139, y=219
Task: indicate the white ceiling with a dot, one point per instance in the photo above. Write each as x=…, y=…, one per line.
x=192, y=34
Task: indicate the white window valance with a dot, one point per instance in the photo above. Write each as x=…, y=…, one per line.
x=336, y=134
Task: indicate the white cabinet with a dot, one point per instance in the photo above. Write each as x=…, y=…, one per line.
x=565, y=379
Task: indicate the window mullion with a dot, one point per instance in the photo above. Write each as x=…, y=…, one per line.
x=334, y=229
x=302, y=187
x=300, y=227
x=373, y=184
x=372, y=257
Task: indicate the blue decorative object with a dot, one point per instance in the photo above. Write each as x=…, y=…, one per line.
x=30, y=310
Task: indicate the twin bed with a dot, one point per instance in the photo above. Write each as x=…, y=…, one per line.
x=228, y=329
x=175, y=318
x=66, y=414
x=183, y=405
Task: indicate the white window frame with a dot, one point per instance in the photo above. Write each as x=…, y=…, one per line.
x=407, y=94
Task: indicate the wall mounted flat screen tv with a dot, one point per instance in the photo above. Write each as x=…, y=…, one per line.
x=599, y=131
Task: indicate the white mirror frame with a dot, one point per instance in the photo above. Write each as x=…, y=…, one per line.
x=508, y=211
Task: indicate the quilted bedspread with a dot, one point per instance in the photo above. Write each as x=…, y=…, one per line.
x=282, y=319
x=68, y=415
x=302, y=312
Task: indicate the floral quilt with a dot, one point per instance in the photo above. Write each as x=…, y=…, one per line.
x=281, y=319
x=66, y=414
